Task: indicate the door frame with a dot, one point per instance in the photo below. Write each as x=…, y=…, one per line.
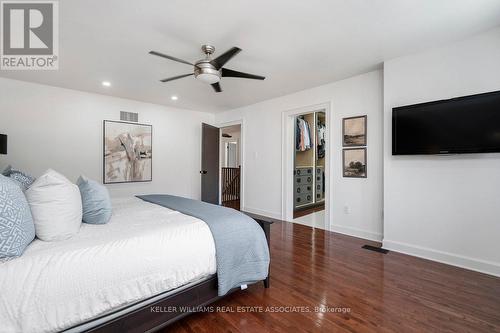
x=287, y=159
x=240, y=122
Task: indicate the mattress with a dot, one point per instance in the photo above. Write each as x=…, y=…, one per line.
x=143, y=251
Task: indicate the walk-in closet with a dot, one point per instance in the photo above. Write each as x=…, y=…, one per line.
x=309, y=163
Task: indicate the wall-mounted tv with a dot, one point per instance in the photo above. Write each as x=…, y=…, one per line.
x=469, y=124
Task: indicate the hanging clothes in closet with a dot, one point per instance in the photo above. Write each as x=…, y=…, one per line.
x=320, y=139
x=302, y=135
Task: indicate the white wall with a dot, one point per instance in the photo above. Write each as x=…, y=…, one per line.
x=445, y=208
x=263, y=152
x=50, y=127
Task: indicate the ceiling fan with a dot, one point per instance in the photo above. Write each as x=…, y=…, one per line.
x=210, y=70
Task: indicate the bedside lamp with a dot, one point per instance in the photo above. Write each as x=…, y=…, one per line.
x=3, y=144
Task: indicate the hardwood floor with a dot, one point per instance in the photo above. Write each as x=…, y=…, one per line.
x=384, y=293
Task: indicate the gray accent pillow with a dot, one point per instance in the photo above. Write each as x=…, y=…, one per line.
x=96, y=202
x=16, y=223
x=22, y=179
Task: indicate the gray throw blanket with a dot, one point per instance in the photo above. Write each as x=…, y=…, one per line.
x=241, y=247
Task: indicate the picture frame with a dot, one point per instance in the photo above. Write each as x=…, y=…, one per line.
x=354, y=130
x=354, y=162
x=127, y=152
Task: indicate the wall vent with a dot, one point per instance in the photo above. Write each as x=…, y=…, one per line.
x=375, y=248
x=129, y=116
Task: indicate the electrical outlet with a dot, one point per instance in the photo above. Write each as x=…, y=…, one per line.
x=347, y=210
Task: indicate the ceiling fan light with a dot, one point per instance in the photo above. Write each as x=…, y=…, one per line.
x=208, y=78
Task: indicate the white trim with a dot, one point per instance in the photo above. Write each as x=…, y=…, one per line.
x=359, y=233
x=287, y=131
x=274, y=215
x=240, y=122
x=478, y=265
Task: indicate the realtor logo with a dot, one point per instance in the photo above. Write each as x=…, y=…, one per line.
x=30, y=35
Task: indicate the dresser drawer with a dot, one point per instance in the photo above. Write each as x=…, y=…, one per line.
x=303, y=180
x=303, y=189
x=303, y=199
x=303, y=171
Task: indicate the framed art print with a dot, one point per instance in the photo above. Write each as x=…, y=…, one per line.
x=354, y=131
x=354, y=162
x=128, y=152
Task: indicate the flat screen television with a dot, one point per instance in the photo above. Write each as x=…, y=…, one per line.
x=469, y=124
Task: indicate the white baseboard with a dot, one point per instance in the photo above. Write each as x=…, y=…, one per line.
x=482, y=266
x=356, y=232
x=273, y=215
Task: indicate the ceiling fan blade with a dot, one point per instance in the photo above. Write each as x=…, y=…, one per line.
x=230, y=73
x=216, y=87
x=176, y=77
x=170, y=57
x=225, y=57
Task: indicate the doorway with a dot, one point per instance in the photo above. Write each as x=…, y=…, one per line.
x=306, y=188
x=230, y=148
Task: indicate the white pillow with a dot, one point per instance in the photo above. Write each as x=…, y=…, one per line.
x=56, y=206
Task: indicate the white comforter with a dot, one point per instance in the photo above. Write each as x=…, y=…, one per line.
x=144, y=250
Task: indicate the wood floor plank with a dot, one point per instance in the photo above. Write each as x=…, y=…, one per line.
x=385, y=293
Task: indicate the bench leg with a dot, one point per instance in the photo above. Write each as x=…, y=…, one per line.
x=267, y=231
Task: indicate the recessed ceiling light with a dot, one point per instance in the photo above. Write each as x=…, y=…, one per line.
x=174, y=98
x=106, y=83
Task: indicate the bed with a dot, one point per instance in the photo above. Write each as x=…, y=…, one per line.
x=112, y=276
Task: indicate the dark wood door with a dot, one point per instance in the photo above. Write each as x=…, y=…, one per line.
x=210, y=164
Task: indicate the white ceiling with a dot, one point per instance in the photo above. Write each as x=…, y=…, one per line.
x=297, y=44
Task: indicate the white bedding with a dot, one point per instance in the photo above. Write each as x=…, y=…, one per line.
x=144, y=250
